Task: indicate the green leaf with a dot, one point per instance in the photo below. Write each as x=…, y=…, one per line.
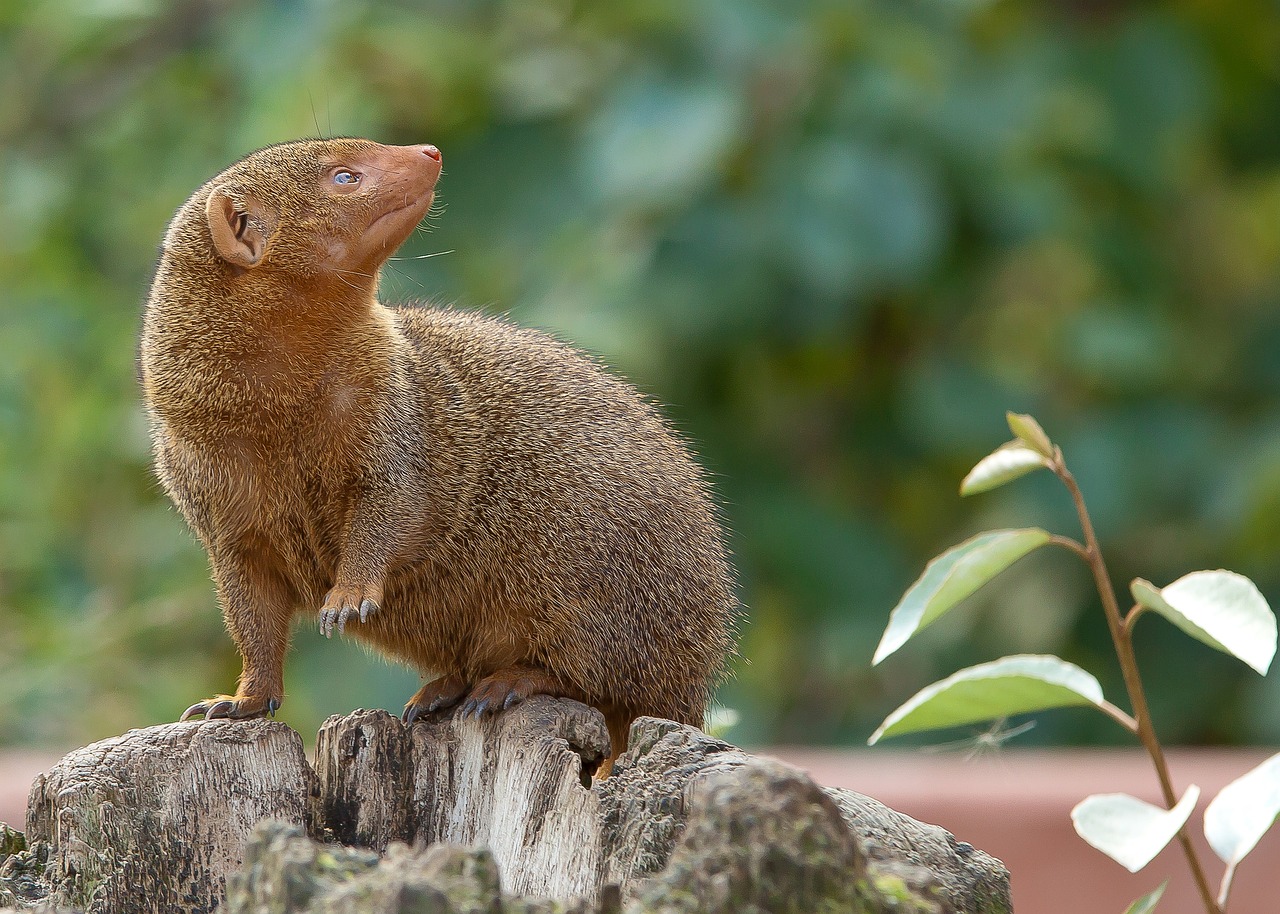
x=1147, y=903
x=1128, y=830
x=1005, y=464
x=1243, y=811
x=1001, y=688
x=1221, y=608
x=951, y=577
x=1028, y=431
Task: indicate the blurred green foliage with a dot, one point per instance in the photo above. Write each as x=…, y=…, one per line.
x=838, y=237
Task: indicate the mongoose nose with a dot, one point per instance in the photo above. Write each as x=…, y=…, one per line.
x=431, y=152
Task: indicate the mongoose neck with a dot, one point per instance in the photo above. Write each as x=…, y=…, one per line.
x=265, y=342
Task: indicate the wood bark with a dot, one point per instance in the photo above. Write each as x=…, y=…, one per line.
x=160, y=819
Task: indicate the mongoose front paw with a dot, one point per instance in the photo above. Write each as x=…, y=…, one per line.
x=344, y=603
x=436, y=695
x=233, y=707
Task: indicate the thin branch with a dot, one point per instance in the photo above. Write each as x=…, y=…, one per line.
x=1132, y=680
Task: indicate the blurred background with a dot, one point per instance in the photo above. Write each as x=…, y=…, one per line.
x=837, y=238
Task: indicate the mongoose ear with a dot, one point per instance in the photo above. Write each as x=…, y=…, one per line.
x=239, y=228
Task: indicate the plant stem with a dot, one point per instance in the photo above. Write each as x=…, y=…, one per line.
x=1120, y=636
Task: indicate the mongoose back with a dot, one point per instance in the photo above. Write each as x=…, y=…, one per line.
x=478, y=500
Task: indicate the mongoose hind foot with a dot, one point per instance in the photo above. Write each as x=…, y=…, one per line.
x=496, y=692
x=437, y=695
x=510, y=686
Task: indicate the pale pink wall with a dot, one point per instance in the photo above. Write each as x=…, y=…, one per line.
x=17, y=771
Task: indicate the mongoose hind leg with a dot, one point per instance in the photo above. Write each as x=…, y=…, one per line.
x=619, y=723
x=436, y=695
x=513, y=684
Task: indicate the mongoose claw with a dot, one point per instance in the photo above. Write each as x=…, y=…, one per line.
x=227, y=707
x=342, y=605
x=442, y=702
x=220, y=709
x=436, y=695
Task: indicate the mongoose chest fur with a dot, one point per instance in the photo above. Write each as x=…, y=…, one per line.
x=478, y=500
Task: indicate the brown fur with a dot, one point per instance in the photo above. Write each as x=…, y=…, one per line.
x=516, y=519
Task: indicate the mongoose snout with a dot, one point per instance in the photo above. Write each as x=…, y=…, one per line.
x=475, y=499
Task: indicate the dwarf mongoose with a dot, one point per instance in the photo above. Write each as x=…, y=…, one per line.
x=478, y=500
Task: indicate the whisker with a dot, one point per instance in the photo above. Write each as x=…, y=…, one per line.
x=347, y=282
x=314, y=116
x=357, y=273
x=403, y=274
x=423, y=256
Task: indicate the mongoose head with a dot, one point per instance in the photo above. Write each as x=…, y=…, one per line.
x=309, y=208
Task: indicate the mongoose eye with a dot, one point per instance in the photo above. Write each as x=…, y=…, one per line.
x=345, y=178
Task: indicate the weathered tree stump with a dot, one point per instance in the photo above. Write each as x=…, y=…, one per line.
x=156, y=819
x=518, y=783
x=500, y=813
